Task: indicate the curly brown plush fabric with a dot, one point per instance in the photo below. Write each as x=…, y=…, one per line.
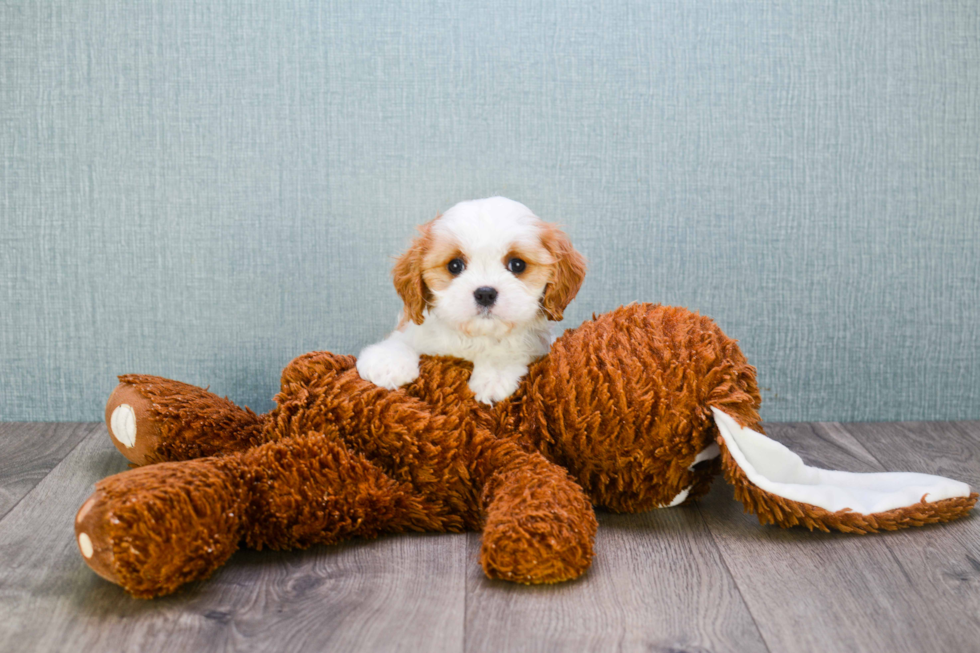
x=615, y=416
x=188, y=422
x=623, y=402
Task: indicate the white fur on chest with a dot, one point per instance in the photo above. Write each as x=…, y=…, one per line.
x=521, y=345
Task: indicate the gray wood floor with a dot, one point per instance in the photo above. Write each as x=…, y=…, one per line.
x=699, y=578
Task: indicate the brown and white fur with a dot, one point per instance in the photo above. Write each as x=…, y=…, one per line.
x=482, y=282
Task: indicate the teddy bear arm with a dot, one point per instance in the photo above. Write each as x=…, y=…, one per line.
x=310, y=369
x=313, y=489
x=321, y=390
x=152, y=419
x=539, y=526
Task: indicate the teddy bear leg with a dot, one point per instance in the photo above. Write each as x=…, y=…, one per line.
x=539, y=525
x=323, y=392
x=155, y=528
x=152, y=419
x=313, y=489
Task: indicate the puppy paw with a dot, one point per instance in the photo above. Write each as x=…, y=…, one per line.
x=491, y=384
x=388, y=365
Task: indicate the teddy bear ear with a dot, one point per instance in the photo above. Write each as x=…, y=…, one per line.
x=774, y=483
x=407, y=275
x=567, y=272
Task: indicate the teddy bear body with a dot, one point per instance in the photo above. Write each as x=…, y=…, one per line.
x=616, y=415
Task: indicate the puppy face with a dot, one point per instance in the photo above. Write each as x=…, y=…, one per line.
x=486, y=266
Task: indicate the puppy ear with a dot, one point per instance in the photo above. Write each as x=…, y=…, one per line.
x=567, y=272
x=407, y=275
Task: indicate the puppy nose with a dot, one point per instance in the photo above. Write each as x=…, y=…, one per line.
x=485, y=296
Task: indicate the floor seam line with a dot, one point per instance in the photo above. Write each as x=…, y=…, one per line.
x=841, y=426
x=721, y=556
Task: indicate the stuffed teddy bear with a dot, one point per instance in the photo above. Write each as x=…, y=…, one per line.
x=635, y=409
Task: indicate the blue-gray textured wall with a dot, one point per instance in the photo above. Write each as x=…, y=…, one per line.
x=203, y=189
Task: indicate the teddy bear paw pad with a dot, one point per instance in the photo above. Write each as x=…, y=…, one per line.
x=93, y=542
x=123, y=425
x=132, y=426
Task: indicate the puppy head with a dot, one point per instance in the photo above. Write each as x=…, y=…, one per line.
x=487, y=266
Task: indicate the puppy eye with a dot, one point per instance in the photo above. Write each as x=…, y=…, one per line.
x=456, y=266
x=516, y=265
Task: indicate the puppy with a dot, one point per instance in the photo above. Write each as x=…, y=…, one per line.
x=481, y=282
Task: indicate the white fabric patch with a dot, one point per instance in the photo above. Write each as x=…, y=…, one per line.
x=85, y=544
x=679, y=499
x=775, y=469
x=123, y=424
x=711, y=451
x=84, y=510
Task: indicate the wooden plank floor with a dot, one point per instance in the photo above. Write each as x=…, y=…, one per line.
x=697, y=578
